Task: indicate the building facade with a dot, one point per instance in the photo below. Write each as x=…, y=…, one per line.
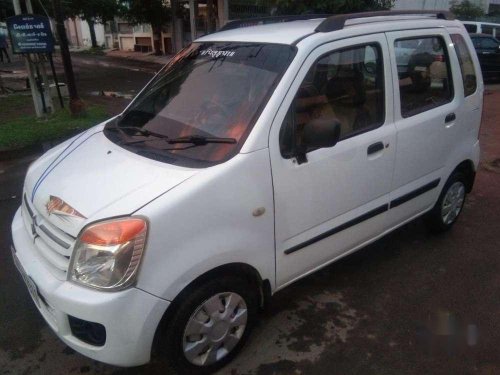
x=78, y=33
x=438, y=4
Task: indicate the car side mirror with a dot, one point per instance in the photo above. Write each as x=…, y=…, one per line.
x=316, y=134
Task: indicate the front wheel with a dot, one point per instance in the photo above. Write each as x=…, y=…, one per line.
x=449, y=205
x=210, y=326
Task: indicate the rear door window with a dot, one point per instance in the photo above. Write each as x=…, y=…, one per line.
x=471, y=28
x=466, y=64
x=425, y=79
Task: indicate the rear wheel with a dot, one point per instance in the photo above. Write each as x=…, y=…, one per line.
x=449, y=205
x=210, y=326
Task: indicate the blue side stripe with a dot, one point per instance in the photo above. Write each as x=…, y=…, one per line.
x=53, y=161
x=47, y=171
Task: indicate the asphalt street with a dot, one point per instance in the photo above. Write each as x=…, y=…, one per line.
x=411, y=303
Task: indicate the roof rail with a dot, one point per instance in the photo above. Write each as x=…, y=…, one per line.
x=337, y=22
x=236, y=24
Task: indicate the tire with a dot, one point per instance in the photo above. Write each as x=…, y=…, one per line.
x=452, y=197
x=177, y=340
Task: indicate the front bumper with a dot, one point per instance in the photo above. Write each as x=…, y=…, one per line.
x=130, y=317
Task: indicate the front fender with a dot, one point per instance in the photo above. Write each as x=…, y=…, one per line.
x=208, y=221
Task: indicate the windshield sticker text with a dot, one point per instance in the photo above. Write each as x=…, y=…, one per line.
x=215, y=54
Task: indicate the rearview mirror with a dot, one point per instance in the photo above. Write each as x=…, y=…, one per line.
x=318, y=133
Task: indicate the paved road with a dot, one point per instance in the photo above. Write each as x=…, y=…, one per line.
x=371, y=313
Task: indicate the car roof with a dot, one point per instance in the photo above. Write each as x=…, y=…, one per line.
x=284, y=32
x=293, y=31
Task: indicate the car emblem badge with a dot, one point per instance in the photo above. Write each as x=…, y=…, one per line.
x=56, y=206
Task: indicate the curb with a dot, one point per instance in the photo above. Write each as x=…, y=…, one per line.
x=18, y=153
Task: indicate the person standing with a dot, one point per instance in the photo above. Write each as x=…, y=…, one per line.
x=3, y=46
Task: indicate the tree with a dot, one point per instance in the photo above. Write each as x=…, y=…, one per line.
x=155, y=12
x=76, y=105
x=466, y=10
x=331, y=6
x=6, y=9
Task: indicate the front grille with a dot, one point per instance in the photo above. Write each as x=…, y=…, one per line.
x=53, y=245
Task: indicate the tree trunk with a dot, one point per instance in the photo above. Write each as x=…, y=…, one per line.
x=173, y=4
x=76, y=105
x=157, y=40
x=93, y=38
x=2, y=88
x=210, y=15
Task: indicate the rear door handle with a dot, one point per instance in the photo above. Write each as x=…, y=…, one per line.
x=450, y=117
x=376, y=147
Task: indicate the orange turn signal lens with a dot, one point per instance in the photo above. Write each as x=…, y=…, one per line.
x=114, y=232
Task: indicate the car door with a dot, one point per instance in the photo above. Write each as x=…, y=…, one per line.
x=427, y=114
x=470, y=93
x=331, y=200
x=488, y=52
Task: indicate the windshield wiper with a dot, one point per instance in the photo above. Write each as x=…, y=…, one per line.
x=145, y=132
x=200, y=140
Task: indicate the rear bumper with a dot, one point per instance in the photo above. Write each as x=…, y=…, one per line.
x=130, y=317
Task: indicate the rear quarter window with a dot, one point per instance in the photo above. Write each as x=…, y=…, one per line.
x=466, y=64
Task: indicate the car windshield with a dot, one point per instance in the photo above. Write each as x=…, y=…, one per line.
x=208, y=91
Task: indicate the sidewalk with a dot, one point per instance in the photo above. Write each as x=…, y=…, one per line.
x=139, y=56
x=15, y=66
x=14, y=74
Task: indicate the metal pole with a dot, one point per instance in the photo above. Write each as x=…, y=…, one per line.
x=76, y=105
x=29, y=7
x=192, y=19
x=29, y=69
x=54, y=76
x=46, y=84
x=222, y=12
x=40, y=88
x=17, y=6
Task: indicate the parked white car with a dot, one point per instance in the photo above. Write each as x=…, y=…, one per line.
x=474, y=27
x=255, y=157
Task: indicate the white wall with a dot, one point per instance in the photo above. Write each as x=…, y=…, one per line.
x=421, y=4
x=433, y=4
x=99, y=34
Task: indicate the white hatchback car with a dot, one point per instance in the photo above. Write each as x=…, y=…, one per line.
x=255, y=157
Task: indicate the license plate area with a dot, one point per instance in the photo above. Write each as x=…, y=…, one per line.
x=30, y=284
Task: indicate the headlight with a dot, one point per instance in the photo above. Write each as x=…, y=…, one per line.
x=107, y=254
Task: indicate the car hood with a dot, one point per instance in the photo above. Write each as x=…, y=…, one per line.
x=89, y=178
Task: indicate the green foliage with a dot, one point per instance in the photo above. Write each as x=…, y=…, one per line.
x=155, y=12
x=466, y=10
x=331, y=6
x=27, y=130
x=99, y=11
x=6, y=9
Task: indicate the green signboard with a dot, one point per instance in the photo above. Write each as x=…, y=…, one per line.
x=30, y=34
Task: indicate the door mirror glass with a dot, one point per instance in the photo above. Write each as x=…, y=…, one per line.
x=321, y=133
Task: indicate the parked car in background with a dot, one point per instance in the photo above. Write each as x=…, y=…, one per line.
x=488, y=51
x=257, y=156
x=489, y=28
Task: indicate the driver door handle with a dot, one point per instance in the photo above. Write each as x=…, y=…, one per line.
x=450, y=117
x=376, y=147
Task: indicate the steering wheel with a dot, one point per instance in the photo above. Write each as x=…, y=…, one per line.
x=211, y=109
